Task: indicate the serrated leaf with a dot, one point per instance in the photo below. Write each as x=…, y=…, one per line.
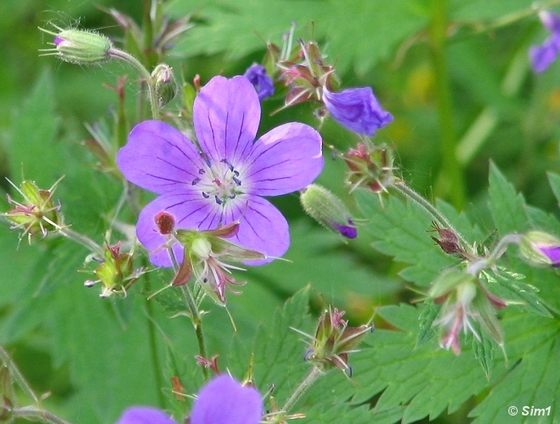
x=506, y=206
x=402, y=230
x=428, y=314
x=484, y=351
x=368, y=26
x=423, y=381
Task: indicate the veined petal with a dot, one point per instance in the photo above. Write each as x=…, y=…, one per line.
x=357, y=109
x=286, y=159
x=224, y=400
x=261, y=228
x=188, y=213
x=158, y=157
x=226, y=116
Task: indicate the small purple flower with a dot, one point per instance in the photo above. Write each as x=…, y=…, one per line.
x=540, y=248
x=553, y=254
x=257, y=75
x=144, y=415
x=357, y=109
x=224, y=400
x=543, y=55
x=223, y=181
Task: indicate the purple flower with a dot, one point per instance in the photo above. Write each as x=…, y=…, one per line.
x=540, y=248
x=357, y=109
x=144, y=415
x=553, y=254
x=257, y=75
x=222, y=182
x=224, y=400
x=542, y=56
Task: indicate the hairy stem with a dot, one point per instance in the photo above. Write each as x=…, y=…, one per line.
x=308, y=381
x=37, y=414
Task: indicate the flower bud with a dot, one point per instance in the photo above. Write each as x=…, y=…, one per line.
x=357, y=109
x=370, y=167
x=166, y=86
x=38, y=213
x=540, y=248
x=257, y=75
x=79, y=46
x=328, y=210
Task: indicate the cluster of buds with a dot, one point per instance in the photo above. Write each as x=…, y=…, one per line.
x=464, y=301
x=38, y=214
x=207, y=256
x=328, y=210
x=370, y=167
x=334, y=340
x=115, y=271
x=304, y=71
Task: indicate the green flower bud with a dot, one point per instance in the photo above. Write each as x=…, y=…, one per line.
x=166, y=87
x=328, y=210
x=79, y=46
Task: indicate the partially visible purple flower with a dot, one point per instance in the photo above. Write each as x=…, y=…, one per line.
x=543, y=55
x=144, y=415
x=257, y=75
x=540, y=248
x=223, y=181
x=224, y=400
x=357, y=109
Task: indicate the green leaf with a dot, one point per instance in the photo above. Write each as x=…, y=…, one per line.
x=368, y=26
x=402, y=230
x=554, y=181
x=506, y=206
x=34, y=150
x=421, y=381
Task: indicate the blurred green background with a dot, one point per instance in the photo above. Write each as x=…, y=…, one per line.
x=87, y=352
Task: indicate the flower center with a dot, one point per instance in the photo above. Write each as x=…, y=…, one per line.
x=219, y=181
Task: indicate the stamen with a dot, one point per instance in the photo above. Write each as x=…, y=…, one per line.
x=230, y=166
x=201, y=171
x=195, y=181
x=205, y=195
x=236, y=180
x=218, y=200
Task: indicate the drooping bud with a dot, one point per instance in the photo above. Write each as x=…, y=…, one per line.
x=448, y=241
x=356, y=109
x=328, y=210
x=79, y=46
x=38, y=213
x=540, y=248
x=166, y=86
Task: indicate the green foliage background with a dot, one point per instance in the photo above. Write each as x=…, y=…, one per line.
x=93, y=355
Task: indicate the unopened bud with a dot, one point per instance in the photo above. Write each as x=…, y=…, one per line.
x=540, y=248
x=328, y=210
x=79, y=46
x=166, y=87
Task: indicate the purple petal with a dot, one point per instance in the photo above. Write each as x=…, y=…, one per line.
x=543, y=56
x=224, y=400
x=550, y=20
x=144, y=415
x=552, y=253
x=188, y=213
x=261, y=227
x=357, y=109
x=158, y=157
x=349, y=230
x=226, y=116
x=286, y=159
x=256, y=74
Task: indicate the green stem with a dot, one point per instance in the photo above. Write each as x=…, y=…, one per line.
x=451, y=168
x=16, y=374
x=82, y=239
x=152, y=340
x=33, y=413
x=309, y=380
x=434, y=212
x=119, y=54
x=196, y=319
